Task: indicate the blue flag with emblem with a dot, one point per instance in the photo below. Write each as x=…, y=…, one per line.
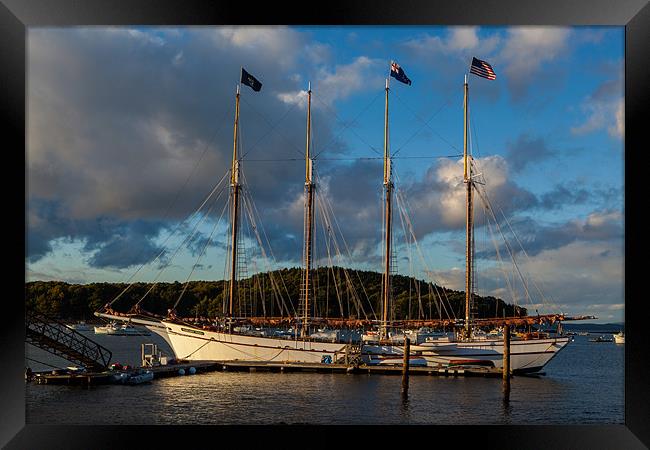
x=250, y=80
x=397, y=72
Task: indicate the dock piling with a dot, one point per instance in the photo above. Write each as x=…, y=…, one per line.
x=405, y=367
x=506, y=363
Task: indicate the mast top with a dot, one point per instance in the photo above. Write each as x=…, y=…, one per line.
x=309, y=87
x=238, y=86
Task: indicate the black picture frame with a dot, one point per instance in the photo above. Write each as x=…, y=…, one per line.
x=17, y=15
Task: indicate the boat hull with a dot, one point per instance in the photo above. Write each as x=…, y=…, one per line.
x=525, y=355
x=191, y=343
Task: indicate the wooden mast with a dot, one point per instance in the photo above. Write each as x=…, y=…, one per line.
x=309, y=220
x=234, y=213
x=467, y=178
x=388, y=187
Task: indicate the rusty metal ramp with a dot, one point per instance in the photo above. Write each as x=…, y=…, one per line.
x=53, y=336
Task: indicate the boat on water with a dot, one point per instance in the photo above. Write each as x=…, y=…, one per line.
x=80, y=326
x=132, y=376
x=117, y=329
x=293, y=339
x=619, y=338
x=601, y=338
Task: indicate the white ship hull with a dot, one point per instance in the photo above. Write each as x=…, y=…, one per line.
x=619, y=338
x=191, y=343
x=525, y=355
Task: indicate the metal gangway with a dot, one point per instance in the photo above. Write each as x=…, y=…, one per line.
x=53, y=336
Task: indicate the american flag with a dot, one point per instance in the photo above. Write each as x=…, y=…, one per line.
x=482, y=69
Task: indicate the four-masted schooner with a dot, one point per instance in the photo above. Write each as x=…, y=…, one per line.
x=222, y=341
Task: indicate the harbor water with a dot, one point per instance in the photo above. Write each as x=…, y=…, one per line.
x=583, y=384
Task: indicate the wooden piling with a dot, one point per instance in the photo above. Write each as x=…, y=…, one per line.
x=405, y=366
x=506, y=352
x=506, y=364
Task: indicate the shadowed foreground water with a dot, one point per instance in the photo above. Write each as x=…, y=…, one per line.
x=584, y=384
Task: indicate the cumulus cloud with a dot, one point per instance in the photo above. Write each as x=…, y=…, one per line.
x=604, y=109
x=115, y=128
x=527, y=52
x=598, y=226
x=460, y=42
x=440, y=196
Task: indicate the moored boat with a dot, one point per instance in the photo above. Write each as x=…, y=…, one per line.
x=80, y=326
x=619, y=338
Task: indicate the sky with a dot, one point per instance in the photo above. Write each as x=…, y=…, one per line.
x=129, y=130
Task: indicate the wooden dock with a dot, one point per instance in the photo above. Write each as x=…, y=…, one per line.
x=96, y=378
x=183, y=369
x=284, y=367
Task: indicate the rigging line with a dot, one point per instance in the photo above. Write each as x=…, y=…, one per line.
x=326, y=218
x=201, y=255
x=349, y=124
x=361, y=158
x=512, y=256
x=327, y=221
x=186, y=240
x=189, y=219
x=543, y=297
x=552, y=302
x=274, y=286
x=402, y=207
x=349, y=254
x=273, y=128
x=501, y=264
x=422, y=127
x=329, y=259
x=178, y=193
x=256, y=214
x=403, y=203
x=418, y=117
x=407, y=240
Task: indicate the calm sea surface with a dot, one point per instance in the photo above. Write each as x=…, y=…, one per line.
x=583, y=384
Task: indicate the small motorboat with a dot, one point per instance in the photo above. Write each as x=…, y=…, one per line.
x=80, y=326
x=139, y=376
x=601, y=339
x=115, y=329
x=619, y=338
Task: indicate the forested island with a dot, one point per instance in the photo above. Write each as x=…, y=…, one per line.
x=338, y=293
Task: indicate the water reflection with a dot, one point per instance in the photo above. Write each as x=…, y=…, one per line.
x=584, y=384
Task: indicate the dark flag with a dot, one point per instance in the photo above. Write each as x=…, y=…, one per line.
x=397, y=72
x=482, y=69
x=250, y=80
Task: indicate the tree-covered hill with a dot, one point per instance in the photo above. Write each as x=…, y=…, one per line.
x=338, y=293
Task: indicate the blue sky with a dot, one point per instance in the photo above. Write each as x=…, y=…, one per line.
x=128, y=129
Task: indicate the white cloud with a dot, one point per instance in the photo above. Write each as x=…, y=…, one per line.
x=460, y=41
x=604, y=109
x=294, y=98
x=447, y=197
x=527, y=50
x=345, y=80
x=271, y=43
